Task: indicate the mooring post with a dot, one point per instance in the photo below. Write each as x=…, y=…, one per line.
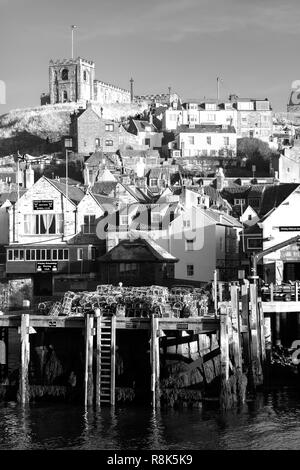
x=262, y=335
x=25, y=357
x=3, y=355
x=98, y=356
x=225, y=396
x=154, y=358
x=277, y=329
x=245, y=326
x=88, y=375
x=234, y=294
x=272, y=292
x=255, y=337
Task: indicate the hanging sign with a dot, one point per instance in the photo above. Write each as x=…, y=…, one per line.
x=46, y=266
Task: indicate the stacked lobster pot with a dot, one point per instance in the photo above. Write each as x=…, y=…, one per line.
x=142, y=302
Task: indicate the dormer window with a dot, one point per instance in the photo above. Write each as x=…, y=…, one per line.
x=210, y=106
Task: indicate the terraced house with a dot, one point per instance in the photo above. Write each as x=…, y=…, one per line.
x=52, y=237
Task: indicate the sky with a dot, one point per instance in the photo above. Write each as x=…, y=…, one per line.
x=185, y=44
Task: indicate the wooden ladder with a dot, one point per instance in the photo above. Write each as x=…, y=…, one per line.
x=106, y=360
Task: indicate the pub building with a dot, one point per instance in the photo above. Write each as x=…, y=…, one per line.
x=52, y=237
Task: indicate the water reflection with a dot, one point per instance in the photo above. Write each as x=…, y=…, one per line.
x=271, y=421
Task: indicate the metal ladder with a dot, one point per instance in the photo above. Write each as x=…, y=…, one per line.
x=107, y=360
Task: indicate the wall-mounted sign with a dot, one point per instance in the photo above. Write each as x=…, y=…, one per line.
x=182, y=326
x=290, y=229
x=46, y=266
x=43, y=205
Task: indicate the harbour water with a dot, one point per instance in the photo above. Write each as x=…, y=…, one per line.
x=270, y=422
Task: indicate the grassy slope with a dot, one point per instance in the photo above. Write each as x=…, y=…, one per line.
x=31, y=126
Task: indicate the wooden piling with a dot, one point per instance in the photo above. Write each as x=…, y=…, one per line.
x=277, y=329
x=225, y=392
x=262, y=335
x=245, y=327
x=25, y=357
x=3, y=354
x=155, y=364
x=257, y=375
x=88, y=375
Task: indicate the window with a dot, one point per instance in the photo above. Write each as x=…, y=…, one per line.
x=191, y=140
x=128, y=267
x=109, y=127
x=226, y=140
x=254, y=243
x=208, y=140
x=156, y=218
x=65, y=96
x=91, y=253
x=210, y=106
x=97, y=142
x=89, y=224
x=249, y=217
x=186, y=223
x=43, y=224
x=124, y=219
x=189, y=245
x=79, y=254
x=65, y=74
x=38, y=255
x=153, y=182
x=147, y=142
x=238, y=202
x=213, y=153
x=190, y=270
x=211, y=117
x=109, y=143
x=68, y=142
x=85, y=75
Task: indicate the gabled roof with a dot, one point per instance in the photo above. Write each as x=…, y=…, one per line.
x=105, y=187
x=75, y=194
x=11, y=196
x=253, y=230
x=138, y=250
x=274, y=195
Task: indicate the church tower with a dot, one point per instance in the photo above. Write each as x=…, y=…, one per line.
x=71, y=80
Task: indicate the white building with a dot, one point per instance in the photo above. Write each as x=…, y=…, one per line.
x=206, y=140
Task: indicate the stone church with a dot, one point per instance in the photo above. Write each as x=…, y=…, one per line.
x=73, y=80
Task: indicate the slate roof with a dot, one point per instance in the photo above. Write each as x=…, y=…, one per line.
x=141, y=126
x=201, y=128
x=138, y=250
x=11, y=196
x=274, y=195
x=75, y=194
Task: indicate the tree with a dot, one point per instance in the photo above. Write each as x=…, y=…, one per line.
x=256, y=152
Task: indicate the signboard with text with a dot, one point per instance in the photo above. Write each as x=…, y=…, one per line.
x=46, y=266
x=290, y=229
x=43, y=205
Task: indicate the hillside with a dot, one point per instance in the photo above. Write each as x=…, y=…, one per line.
x=28, y=129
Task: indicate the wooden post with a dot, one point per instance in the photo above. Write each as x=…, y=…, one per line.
x=225, y=397
x=220, y=288
x=88, y=375
x=154, y=358
x=296, y=291
x=268, y=342
x=245, y=326
x=277, y=329
x=3, y=354
x=262, y=334
x=255, y=338
x=113, y=360
x=272, y=292
x=98, y=356
x=216, y=291
x=25, y=357
x=234, y=291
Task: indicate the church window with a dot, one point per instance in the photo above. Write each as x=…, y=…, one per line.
x=109, y=143
x=65, y=96
x=65, y=74
x=85, y=75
